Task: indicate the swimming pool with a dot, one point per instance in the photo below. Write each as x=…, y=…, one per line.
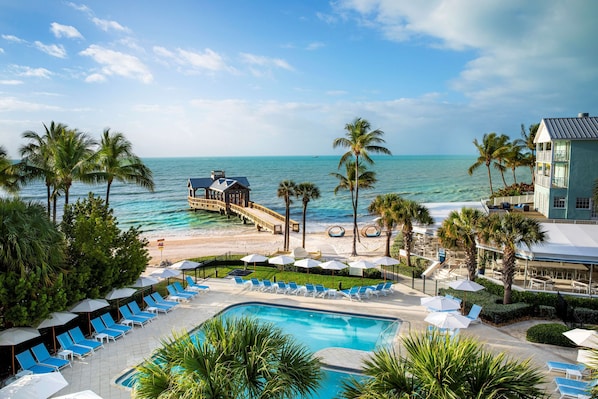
x=317, y=329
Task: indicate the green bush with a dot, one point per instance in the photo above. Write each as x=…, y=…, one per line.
x=549, y=333
x=547, y=312
x=585, y=315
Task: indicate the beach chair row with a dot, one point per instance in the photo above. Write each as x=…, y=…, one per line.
x=571, y=386
x=361, y=292
x=177, y=293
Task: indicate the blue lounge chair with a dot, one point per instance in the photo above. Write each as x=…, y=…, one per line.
x=67, y=344
x=192, y=285
x=101, y=330
x=176, y=296
x=567, y=382
x=282, y=287
x=377, y=289
x=131, y=318
x=239, y=281
x=364, y=292
x=79, y=339
x=563, y=367
x=387, y=289
x=43, y=357
x=310, y=290
x=179, y=288
x=113, y=325
x=352, y=293
x=267, y=286
x=138, y=312
x=294, y=288
x=474, y=314
x=161, y=301
x=156, y=307
x=256, y=284
x=321, y=291
x=572, y=393
x=27, y=362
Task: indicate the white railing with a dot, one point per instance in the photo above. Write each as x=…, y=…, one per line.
x=516, y=199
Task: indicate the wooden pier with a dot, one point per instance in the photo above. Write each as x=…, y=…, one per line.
x=263, y=218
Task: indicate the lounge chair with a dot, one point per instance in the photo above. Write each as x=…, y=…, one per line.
x=27, y=362
x=113, y=325
x=321, y=291
x=282, y=287
x=364, y=292
x=103, y=332
x=67, y=344
x=256, y=284
x=131, y=318
x=43, y=357
x=177, y=296
x=138, y=312
x=572, y=393
x=377, y=289
x=310, y=290
x=567, y=382
x=161, y=301
x=474, y=314
x=79, y=339
x=179, y=289
x=294, y=288
x=387, y=289
x=267, y=286
x=239, y=281
x=153, y=306
x=563, y=367
x=352, y=293
x=192, y=285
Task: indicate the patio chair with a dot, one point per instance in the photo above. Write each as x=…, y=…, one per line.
x=282, y=287
x=387, y=289
x=43, y=357
x=131, y=318
x=192, y=285
x=563, y=367
x=364, y=292
x=567, y=382
x=267, y=286
x=138, y=312
x=161, y=301
x=238, y=280
x=310, y=290
x=294, y=288
x=113, y=325
x=321, y=291
x=153, y=306
x=377, y=289
x=180, y=290
x=67, y=344
x=256, y=284
x=27, y=362
x=79, y=339
x=103, y=332
x=177, y=296
x=572, y=393
x=351, y=293
x=474, y=314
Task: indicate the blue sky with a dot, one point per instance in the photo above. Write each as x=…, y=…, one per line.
x=251, y=77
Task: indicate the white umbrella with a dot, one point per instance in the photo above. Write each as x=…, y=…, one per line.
x=34, y=386
x=447, y=320
x=466, y=286
x=281, y=260
x=80, y=395
x=88, y=306
x=333, y=265
x=54, y=320
x=583, y=337
x=386, y=261
x=165, y=273
x=120, y=293
x=362, y=264
x=14, y=336
x=254, y=258
x=185, y=265
x=144, y=281
x=307, y=263
x=440, y=303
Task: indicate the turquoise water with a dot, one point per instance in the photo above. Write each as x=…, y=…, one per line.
x=317, y=330
x=165, y=212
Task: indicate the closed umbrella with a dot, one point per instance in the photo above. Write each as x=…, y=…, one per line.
x=440, y=303
x=307, y=263
x=333, y=265
x=34, y=386
x=583, y=337
x=447, y=320
x=56, y=319
x=88, y=306
x=253, y=258
x=14, y=336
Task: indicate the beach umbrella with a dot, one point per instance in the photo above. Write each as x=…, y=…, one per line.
x=34, y=386
x=166, y=273
x=386, y=261
x=88, y=306
x=80, y=395
x=281, y=260
x=118, y=294
x=583, y=337
x=465, y=286
x=14, y=336
x=253, y=258
x=440, y=303
x=362, y=264
x=307, y=263
x=447, y=320
x=144, y=281
x=333, y=265
x=185, y=265
x=56, y=319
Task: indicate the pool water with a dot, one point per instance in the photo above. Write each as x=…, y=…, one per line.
x=317, y=330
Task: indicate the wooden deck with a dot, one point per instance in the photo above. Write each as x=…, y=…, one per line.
x=263, y=218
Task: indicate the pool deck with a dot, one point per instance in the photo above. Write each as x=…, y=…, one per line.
x=99, y=371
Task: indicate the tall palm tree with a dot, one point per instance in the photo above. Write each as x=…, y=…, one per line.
x=460, y=231
x=505, y=144
x=490, y=149
x=386, y=206
x=507, y=233
x=360, y=142
x=529, y=138
x=515, y=157
x=286, y=190
x=9, y=178
x=116, y=161
x=237, y=358
x=306, y=192
x=409, y=212
x=434, y=367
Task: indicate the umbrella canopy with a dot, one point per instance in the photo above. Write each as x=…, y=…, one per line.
x=80, y=395
x=466, y=285
x=34, y=386
x=120, y=293
x=185, y=265
x=14, y=336
x=144, y=281
x=166, y=273
x=88, y=306
x=307, y=263
x=440, y=303
x=386, y=261
x=281, y=260
x=54, y=320
x=254, y=258
x=447, y=320
x=333, y=265
x=362, y=264
x=583, y=337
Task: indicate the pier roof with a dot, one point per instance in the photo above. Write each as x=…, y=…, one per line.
x=206, y=182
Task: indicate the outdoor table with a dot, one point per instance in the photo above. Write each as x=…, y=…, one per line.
x=573, y=374
x=66, y=354
x=541, y=281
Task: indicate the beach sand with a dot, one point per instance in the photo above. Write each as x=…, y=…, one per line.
x=265, y=243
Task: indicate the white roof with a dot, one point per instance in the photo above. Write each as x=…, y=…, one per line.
x=566, y=242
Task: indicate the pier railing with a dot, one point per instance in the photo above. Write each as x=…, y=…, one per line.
x=294, y=224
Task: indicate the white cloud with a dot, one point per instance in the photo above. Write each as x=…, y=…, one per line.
x=14, y=39
x=262, y=61
x=54, y=50
x=26, y=71
x=315, y=46
x=95, y=78
x=12, y=104
x=107, y=25
x=11, y=82
x=1, y=50
x=117, y=63
x=67, y=31
x=208, y=60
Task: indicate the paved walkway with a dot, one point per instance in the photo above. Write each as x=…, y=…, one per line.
x=98, y=372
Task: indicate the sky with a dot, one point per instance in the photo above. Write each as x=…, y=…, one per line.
x=267, y=77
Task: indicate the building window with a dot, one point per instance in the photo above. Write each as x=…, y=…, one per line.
x=582, y=203
x=558, y=202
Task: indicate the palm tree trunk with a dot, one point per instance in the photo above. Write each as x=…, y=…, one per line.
x=490, y=178
x=54, y=203
x=303, y=232
x=514, y=176
x=508, y=273
x=108, y=192
x=471, y=261
x=354, y=249
x=408, y=240
x=531, y=169
x=287, y=232
x=388, y=236
x=49, y=195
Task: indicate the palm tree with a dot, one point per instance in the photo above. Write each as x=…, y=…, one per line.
x=286, y=190
x=460, y=231
x=306, y=191
x=434, y=367
x=237, y=358
x=116, y=161
x=360, y=141
x=9, y=178
x=529, y=142
x=490, y=149
x=502, y=155
x=409, y=212
x=507, y=233
x=515, y=157
x=385, y=206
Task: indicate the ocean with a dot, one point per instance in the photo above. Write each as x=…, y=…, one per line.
x=165, y=213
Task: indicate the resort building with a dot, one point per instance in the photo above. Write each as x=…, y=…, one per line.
x=230, y=190
x=566, y=167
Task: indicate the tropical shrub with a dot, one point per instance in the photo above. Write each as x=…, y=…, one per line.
x=549, y=333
